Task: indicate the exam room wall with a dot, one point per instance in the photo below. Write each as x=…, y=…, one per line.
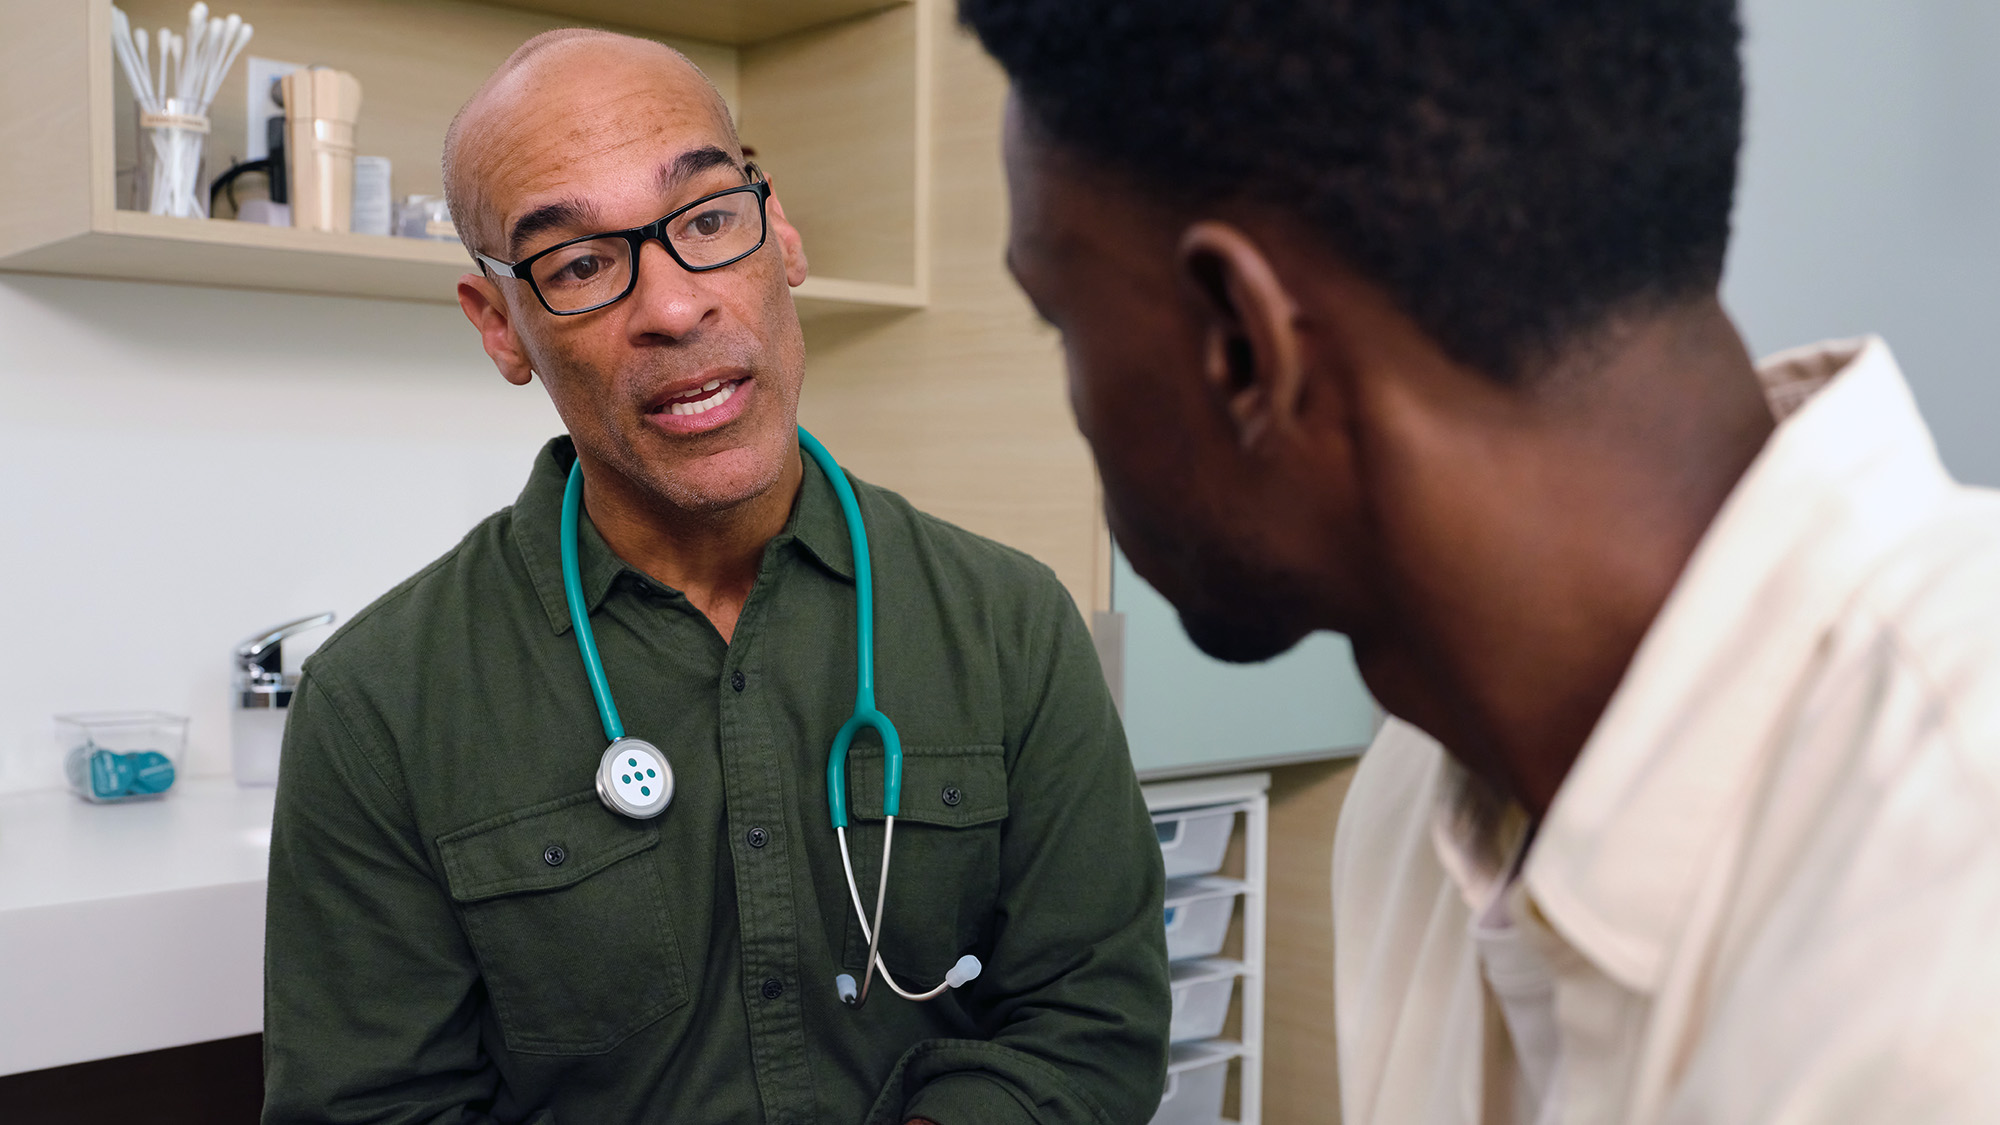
x=187, y=465
x=184, y=466
x=1870, y=197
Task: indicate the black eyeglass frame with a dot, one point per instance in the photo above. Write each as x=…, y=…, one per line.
x=637, y=237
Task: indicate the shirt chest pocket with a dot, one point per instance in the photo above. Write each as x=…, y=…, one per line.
x=944, y=868
x=566, y=912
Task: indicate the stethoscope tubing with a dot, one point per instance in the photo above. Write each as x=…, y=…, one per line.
x=872, y=935
x=579, y=613
x=866, y=716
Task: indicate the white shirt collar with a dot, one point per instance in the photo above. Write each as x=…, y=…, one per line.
x=1667, y=771
x=1478, y=834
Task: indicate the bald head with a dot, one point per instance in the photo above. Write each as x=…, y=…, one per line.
x=562, y=98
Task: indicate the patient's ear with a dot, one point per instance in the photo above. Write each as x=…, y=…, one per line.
x=487, y=310
x=1252, y=350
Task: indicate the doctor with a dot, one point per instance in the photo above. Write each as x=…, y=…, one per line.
x=471, y=921
x=1689, y=811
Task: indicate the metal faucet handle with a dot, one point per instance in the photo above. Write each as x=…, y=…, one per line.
x=261, y=657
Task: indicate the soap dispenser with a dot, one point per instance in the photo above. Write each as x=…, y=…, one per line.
x=263, y=696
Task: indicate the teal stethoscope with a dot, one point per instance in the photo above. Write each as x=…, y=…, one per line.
x=634, y=778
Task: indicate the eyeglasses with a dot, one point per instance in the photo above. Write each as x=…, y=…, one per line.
x=585, y=274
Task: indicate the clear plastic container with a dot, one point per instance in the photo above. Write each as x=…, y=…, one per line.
x=1201, y=992
x=1193, y=841
x=425, y=216
x=113, y=756
x=1197, y=915
x=1197, y=1078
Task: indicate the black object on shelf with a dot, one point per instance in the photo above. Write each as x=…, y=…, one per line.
x=272, y=167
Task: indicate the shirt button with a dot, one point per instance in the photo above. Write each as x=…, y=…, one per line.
x=773, y=988
x=758, y=837
x=951, y=795
x=553, y=855
x=736, y=680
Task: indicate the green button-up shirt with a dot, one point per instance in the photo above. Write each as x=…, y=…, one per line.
x=460, y=931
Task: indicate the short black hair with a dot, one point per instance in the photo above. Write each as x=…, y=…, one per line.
x=1513, y=172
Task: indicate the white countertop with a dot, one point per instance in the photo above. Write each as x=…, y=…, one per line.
x=130, y=927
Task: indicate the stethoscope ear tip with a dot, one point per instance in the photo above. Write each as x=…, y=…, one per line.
x=849, y=993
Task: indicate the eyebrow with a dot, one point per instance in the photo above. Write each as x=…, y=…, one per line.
x=581, y=214
x=692, y=163
x=575, y=214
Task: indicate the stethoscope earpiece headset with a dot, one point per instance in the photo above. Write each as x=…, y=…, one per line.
x=634, y=777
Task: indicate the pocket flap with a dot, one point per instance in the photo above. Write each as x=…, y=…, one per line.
x=952, y=786
x=539, y=848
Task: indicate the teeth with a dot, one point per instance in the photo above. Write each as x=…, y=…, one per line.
x=711, y=384
x=702, y=406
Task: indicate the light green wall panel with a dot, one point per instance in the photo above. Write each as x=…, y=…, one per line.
x=1184, y=709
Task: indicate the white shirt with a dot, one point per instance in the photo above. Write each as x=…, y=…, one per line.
x=1521, y=975
x=1769, y=889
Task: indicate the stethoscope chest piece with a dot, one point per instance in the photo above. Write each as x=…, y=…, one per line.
x=634, y=778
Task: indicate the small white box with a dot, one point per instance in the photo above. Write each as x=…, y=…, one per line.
x=374, y=207
x=1192, y=841
x=1197, y=1076
x=1197, y=915
x=1201, y=997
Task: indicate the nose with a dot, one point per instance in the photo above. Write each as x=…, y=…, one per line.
x=667, y=300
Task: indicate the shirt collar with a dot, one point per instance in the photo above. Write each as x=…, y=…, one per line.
x=816, y=525
x=1665, y=778
x=1478, y=834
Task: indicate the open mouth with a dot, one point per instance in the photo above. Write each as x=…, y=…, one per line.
x=702, y=399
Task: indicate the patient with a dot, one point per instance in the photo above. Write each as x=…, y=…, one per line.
x=1399, y=318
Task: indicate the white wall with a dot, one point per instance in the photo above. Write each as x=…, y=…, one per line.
x=1870, y=197
x=183, y=467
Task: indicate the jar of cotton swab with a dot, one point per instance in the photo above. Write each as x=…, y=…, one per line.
x=173, y=99
x=170, y=145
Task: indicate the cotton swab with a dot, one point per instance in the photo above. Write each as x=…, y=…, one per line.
x=142, y=82
x=128, y=55
x=186, y=79
x=242, y=40
x=216, y=41
x=197, y=29
x=222, y=37
x=167, y=52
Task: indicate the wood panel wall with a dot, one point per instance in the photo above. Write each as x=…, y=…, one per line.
x=1301, y=1078
x=961, y=407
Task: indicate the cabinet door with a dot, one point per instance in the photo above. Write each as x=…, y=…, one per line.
x=1185, y=710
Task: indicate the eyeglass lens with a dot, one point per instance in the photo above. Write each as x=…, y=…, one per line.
x=597, y=270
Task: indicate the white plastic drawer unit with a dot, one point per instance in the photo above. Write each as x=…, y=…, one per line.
x=1201, y=997
x=1197, y=1078
x=1192, y=841
x=1197, y=915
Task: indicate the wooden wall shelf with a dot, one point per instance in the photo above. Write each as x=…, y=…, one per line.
x=737, y=23
x=832, y=93
x=135, y=246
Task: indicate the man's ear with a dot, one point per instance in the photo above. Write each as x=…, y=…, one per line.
x=1253, y=358
x=487, y=310
x=788, y=240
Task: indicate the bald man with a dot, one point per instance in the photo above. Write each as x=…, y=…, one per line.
x=461, y=930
